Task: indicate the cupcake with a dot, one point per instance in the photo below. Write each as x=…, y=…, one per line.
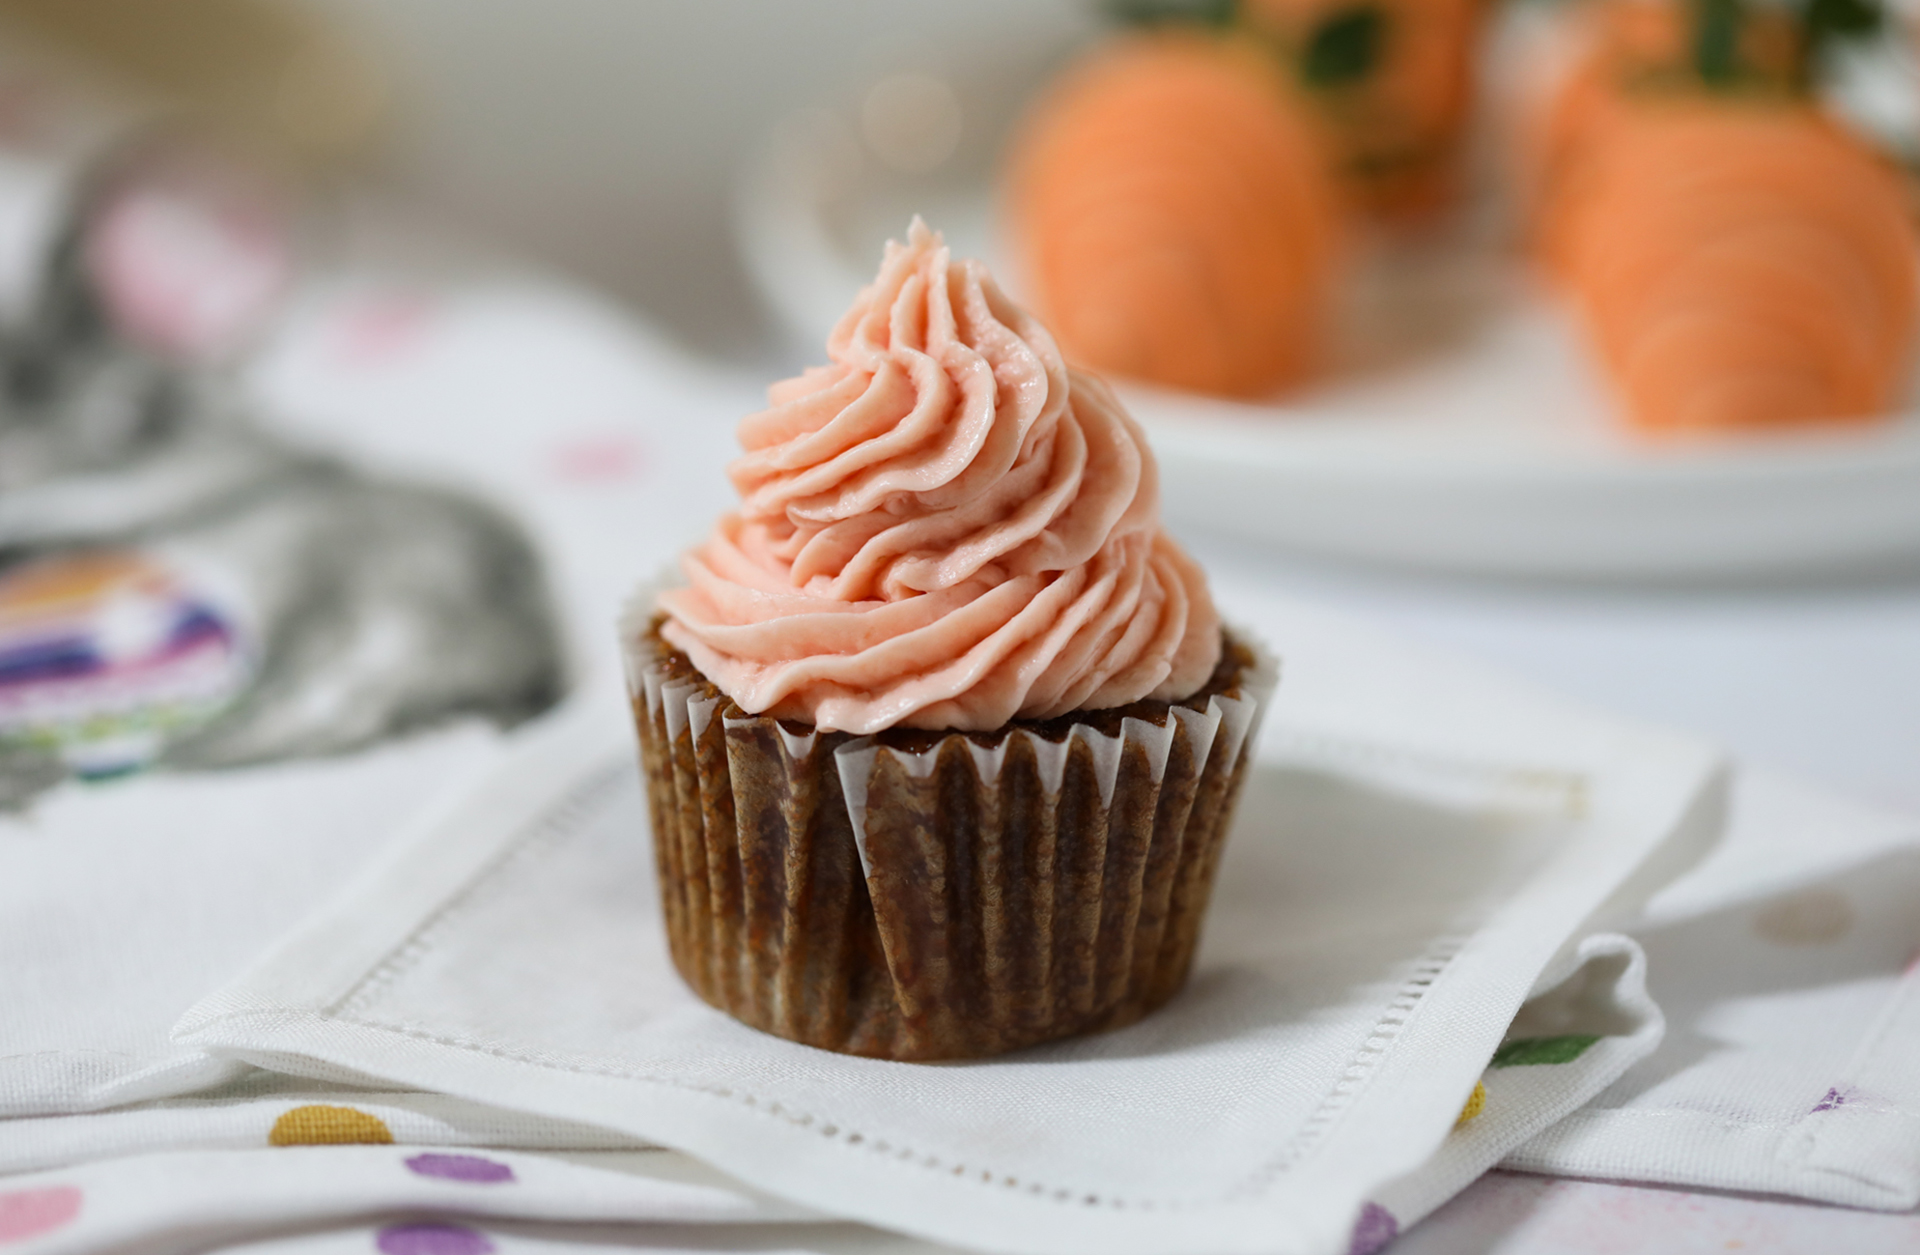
x=942, y=734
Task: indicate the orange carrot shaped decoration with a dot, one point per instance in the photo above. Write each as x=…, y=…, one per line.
x=1740, y=260
x=1175, y=216
x=1392, y=82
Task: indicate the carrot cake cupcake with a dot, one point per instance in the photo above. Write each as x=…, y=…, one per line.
x=942, y=733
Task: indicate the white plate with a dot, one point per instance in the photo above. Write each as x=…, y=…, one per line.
x=1483, y=441
x=1464, y=430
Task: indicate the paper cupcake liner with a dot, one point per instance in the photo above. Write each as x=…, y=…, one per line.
x=935, y=896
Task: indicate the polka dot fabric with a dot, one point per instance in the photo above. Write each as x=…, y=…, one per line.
x=420, y=1202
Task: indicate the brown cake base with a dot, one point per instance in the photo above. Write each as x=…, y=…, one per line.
x=926, y=896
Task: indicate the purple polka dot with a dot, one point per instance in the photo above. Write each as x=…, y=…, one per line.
x=461, y=1168
x=1373, y=1231
x=432, y=1239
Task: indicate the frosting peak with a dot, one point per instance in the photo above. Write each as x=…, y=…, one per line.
x=945, y=527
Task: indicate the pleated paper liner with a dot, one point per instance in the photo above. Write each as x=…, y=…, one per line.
x=937, y=895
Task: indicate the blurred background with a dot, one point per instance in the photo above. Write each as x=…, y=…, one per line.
x=603, y=136
x=1527, y=326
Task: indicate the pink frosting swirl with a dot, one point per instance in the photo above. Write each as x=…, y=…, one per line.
x=945, y=528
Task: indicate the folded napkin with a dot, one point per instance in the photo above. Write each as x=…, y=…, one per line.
x=1779, y=961
x=1788, y=966
x=1775, y=942
x=1421, y=848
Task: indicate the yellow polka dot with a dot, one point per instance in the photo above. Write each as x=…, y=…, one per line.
x=329, y=1126
x=1476, y=1103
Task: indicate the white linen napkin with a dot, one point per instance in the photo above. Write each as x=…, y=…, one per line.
x=1789, y=969
x=1421, y=847
x=121, y=903
x=1751, y=999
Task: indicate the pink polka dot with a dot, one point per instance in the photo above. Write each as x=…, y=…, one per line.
x=29, y=1213
x=599, y=459
x=382, y=329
